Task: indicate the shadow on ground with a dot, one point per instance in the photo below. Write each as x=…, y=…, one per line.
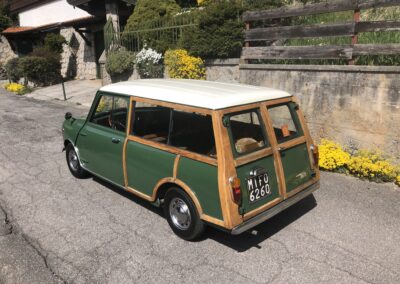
x=245, y=241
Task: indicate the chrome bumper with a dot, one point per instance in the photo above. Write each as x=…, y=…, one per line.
x=274, y=210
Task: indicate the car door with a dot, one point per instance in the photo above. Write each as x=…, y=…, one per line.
x=100, y=142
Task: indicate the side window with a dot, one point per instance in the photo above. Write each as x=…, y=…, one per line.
x=285, y=122
x=193, y=132
x=151, y=122
x=111, y=111
x=185, y=130
x=246, y=130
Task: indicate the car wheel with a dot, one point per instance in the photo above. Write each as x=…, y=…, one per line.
x=182, y=215
x=73, y=163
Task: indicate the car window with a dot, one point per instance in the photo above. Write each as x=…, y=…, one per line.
x=111, y=111
x=246, y=130
x=285, y=122
x=185, y=130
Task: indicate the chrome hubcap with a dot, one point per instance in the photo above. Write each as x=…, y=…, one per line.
x=180, y=213
x=73, y=160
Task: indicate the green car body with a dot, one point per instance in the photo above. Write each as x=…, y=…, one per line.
x=233, y=165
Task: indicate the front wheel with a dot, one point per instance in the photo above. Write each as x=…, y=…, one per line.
x=182, y=215
x=73, y=163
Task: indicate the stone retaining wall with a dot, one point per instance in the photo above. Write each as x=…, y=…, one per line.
x=358, y=106
x=6, y=53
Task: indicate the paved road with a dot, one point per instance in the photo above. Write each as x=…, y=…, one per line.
x=59, y=229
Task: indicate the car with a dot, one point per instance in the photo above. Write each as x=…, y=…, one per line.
x=209, y=153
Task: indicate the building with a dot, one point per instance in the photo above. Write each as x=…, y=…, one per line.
x=81, y=22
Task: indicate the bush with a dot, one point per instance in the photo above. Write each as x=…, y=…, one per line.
x=366, y=164
x=219, y=34
x=182, y=66
x=13, y=69
x=17, y=88
x=54, y=43
x=120, y=62
x=5, y=22
x=41, y=71
x=148, y=62
x=145, y=15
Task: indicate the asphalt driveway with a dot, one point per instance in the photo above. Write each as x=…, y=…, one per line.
x=55, y=228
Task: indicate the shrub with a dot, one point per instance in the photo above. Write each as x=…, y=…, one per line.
x=5, y=22
x=373, y=166
x=148, y=62
x=17, y=88
x=180, y=65
x=145, y=15
x=41, y=70
x=13, y=69
x=331, y=156
x=54, y=43
x=120, y=62
x=219, y=33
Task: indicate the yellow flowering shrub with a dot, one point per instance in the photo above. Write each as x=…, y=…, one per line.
x=16, y=88
x=364, y=164
x=331, y=156
x=372, y=165
x=180, y=65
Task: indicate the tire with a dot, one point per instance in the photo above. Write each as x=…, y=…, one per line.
x=73, y=163
x=182, y=215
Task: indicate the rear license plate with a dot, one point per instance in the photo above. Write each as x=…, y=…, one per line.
x=258, y=187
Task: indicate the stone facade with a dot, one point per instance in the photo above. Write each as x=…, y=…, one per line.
x=358, y=106
x=78, y=58
x=6, y=53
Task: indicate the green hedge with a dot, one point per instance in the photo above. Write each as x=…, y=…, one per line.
x=120, y=62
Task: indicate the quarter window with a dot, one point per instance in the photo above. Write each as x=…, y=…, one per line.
x=246, y=131
x=285, y=122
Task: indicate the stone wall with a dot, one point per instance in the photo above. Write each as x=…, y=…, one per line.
x=358, y=106
x=6, y=52
x=78, y=58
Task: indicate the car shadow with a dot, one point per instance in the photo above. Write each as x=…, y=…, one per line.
x=240, y=243
x=247, y=240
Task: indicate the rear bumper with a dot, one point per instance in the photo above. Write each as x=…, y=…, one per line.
x=247, y=225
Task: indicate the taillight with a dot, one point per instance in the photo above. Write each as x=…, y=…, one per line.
x=315, y=154
x=236, y=191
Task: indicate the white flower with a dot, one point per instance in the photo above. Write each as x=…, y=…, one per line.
x=148, y=55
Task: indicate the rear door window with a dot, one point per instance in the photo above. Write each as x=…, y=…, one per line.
x=285, y=122
x=246, y=131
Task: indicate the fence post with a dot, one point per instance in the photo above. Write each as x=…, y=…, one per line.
x=354, y=38
x=246, y=44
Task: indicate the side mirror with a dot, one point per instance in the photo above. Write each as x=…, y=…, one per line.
x=68, y=116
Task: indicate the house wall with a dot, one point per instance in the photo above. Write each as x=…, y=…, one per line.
x=358, y=106
x=53, y=12
x=78, y=58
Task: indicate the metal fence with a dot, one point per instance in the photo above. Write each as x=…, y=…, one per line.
x=166, y=32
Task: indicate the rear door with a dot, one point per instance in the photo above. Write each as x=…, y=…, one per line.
x=254, y=160
x=292, y=145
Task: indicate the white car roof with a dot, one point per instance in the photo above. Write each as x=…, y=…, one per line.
x=197, y=93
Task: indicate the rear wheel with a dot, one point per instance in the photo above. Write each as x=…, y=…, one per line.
x=73, y=163
x=182, y=215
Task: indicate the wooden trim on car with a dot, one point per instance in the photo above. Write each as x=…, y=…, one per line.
x=128, y=127
x=173, y=105
x=174, y=150
x=294, y=142
x=240, y=108
x=275, y=150
x=176, y=164
x=226, y=170
x=278, y=101
x=253, y=156
x=301, y=187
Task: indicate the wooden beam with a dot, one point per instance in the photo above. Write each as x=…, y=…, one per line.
x=298, y=52
x=303, y=10
x=310, y=31
x=376, y=49
x=317, y=8
x=377, y=26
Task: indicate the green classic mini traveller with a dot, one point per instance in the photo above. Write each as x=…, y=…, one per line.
x=209, y=153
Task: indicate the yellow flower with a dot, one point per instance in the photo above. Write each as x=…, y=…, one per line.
x=180, y=65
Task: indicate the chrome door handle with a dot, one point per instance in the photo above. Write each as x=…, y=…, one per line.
x=115, y=140
x=280, y=149
x=82, y=134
